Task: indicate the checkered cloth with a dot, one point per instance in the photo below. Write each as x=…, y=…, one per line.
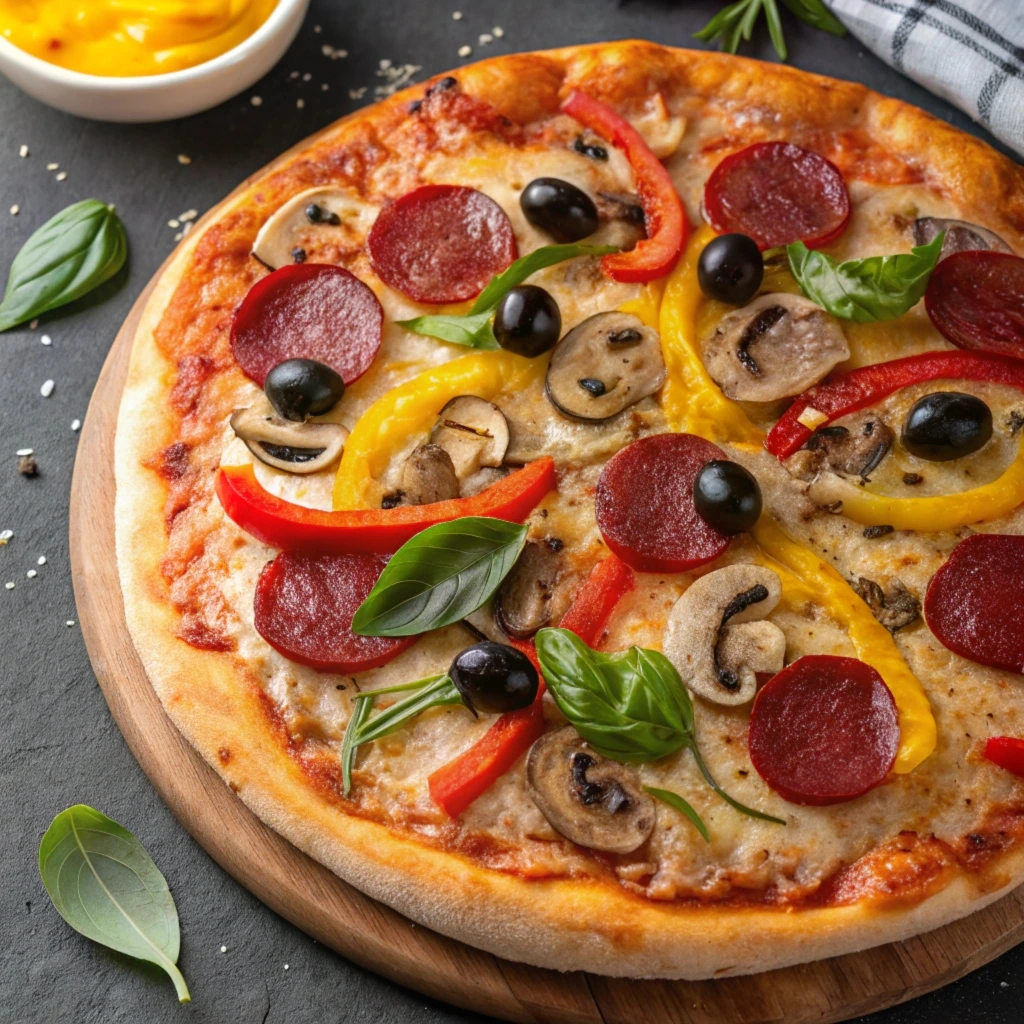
x=971, y=52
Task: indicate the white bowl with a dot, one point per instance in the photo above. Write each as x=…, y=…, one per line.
x=158, y=97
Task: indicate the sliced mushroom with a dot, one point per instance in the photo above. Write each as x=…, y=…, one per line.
x=290, y=230
x=776, y=347
x=483, y=625
x=604, y=365
x=726, y=600
x=895, y=609
x=523, y=603
x=853, y=450
x=428, y=476
x=661, y=130
x=961, y=235
x=306, y=447
x=473, y=432
x=590, y=800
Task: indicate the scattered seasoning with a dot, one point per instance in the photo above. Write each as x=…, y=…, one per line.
x=9, y=585
x=32, y=326
x=256, y=101
x=286, y=967
x=173, y=223
x=465, y=51
x=5, y=536
x=357, y=94
x=325, y=87
x=872, y=532
x=223, y=949
x=188, y=215
x=294, y=75
x=52, y=167
x=184, y=160
x=24, y=451
x=69, y=623
x=498, y=31
x=300, y=104
x=62, y=176
x=41, y=560
x=395, y=77
x=912, y=478
x=307, y=77
x=23, y=152
x=27, y=466
x=15, y=210
x=456, y=15
x=484, y=38
x=47, y=389
x=76, y=425
x=46, y=340
x=31, y=574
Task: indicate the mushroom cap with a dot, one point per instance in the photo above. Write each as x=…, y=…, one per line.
x=474, y=432
x=428, y=476
x=716, y=655
x=961, y=235
x=293, y=447
x=592, y=801
x=775, y=347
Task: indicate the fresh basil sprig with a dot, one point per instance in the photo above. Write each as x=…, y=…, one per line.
x=474, y=329
x=70, y=255
x=631, y=706
x=432, y=692
x=867, y=290
x=736, y=22
x=440, y=576
x=106, y=886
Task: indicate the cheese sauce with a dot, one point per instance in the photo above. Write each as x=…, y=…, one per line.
x=129, y=38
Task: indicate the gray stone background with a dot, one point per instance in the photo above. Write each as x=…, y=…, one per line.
x=58, y=743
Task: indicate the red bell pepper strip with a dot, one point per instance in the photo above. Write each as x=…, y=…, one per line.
x=870, y=384
x=1007, y=752
x=664, y=214
x=457, y=784
x=290, y=527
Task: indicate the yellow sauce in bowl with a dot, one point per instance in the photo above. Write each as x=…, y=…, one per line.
x=130, y=37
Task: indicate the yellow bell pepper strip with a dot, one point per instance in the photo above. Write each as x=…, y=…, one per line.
x=926, y=515
x=871, y=640
x=412, y=407
x=693, y=402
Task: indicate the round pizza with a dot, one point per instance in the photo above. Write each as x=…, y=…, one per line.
x=579, y=501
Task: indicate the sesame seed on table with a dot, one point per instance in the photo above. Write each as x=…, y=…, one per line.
x=59, y=745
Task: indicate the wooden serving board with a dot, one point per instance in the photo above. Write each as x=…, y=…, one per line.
x=383, y=941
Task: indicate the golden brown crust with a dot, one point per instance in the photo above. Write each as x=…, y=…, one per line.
x=179, y=389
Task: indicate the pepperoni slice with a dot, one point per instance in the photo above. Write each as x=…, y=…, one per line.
x=973, y=602
x=778, y=193
x=645, y=508
x=307, y=311
x=976, y=299
x=824, y=730
x=441, y=243
x=304, y=608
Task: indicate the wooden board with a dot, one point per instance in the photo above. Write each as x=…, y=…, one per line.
x=383, y=941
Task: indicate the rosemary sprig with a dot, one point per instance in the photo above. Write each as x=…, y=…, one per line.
x=735, y=23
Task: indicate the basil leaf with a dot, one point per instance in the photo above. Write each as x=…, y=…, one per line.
x=471, y=331
x=731, y=801
x=440, y=576
x=682, y=806
x=474, y=329
x=867, y=290
x=70, y=255
x=105, y=885
x=630, y=706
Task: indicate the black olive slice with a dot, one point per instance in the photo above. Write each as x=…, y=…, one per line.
x=605, y=364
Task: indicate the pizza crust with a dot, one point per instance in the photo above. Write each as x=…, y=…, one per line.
x=564, y=924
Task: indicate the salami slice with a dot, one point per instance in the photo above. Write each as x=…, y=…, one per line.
x=307, y=311
x=973, y=602
x=441, y=243
x=304, y=608
x=824, y=730
x=645, y=508
x=976, y=299
x=777, y=193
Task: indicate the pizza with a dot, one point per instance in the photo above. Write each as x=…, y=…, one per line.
x=578, y=501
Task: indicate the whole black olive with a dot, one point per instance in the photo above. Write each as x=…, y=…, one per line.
x=727, y=497
x=527, y=321
x=731, y=269
x=946, y=425
x=494, y=678
x=298, y=388
x=560, y=209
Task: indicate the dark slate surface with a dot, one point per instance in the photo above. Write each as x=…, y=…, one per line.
x=58, y=744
